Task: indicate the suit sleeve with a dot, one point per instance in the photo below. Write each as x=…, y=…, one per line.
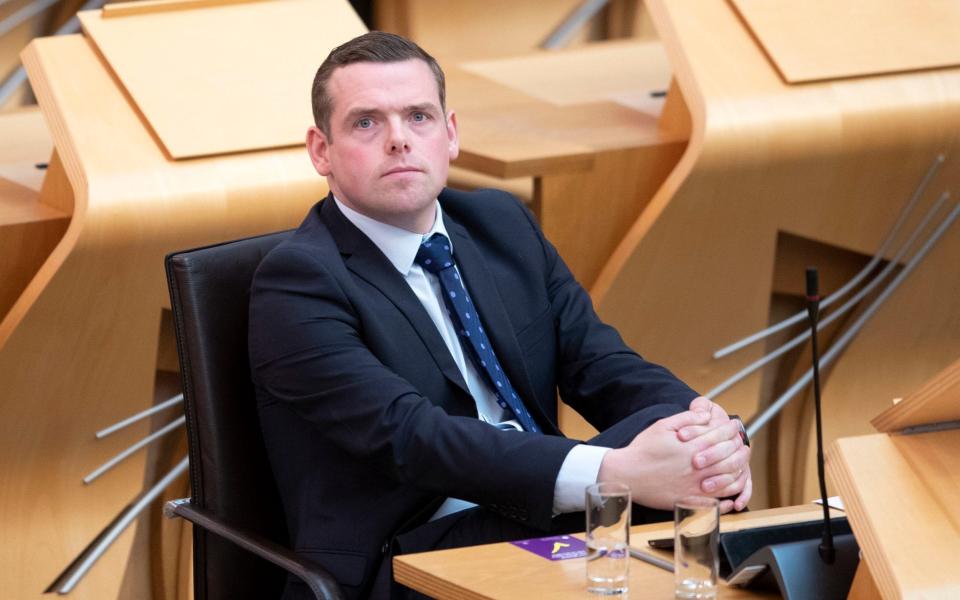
x=598, y=375
x=307, y=351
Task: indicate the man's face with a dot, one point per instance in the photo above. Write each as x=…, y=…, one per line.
x=391, y=143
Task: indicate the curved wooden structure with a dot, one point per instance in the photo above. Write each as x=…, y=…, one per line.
x=86, y=339
x=915, y=453
x=776, y=175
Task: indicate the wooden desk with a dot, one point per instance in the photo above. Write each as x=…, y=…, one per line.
x=584, y=125
x=502, y=571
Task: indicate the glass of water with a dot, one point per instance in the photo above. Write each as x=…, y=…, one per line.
x=608, y=538
x=696, y=528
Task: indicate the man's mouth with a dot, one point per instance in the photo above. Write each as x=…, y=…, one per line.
x=401, y=170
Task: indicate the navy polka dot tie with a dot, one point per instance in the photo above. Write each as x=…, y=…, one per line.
x=435, y=256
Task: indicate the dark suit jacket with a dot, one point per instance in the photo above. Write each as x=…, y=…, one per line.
x=368, y=422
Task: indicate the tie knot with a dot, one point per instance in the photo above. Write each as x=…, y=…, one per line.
x=434, y=254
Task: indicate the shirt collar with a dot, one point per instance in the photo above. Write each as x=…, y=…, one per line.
x=398, y=245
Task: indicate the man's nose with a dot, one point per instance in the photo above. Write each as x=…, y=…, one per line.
x=397, y=137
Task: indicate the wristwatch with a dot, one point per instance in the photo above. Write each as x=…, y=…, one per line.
x=743, y=430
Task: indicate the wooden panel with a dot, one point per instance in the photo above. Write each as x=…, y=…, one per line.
x=207, y=88
x=505, y=131
x=503, y=571
x=471, y=29
x=827, y=39
x=29, y=229
x=24, y=143
x=621, y=72
x=936, y=402
x=900, y=497
x=79, y=347
x=831, y=163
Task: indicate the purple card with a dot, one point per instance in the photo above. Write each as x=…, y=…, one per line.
x=555, y=547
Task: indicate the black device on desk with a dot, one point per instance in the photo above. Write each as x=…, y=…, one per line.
x=736, y=546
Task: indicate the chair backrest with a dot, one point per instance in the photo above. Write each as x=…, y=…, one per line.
x=229, y=471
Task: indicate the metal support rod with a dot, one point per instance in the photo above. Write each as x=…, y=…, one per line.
x=877, y=257
x=561, y=34
x=758, y=422
x=76, y=571
x=19, y=75
x=11, y=83
x=17, y=18
x=140, y=415
x=836, y=314
x=156, y=435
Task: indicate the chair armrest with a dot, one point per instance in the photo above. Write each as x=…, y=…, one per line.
x=321, y=583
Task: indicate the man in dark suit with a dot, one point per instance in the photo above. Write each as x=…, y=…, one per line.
x=408, y=343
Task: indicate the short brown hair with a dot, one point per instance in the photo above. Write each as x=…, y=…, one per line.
x=375, y=46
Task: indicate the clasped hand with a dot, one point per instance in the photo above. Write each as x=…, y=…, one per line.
x=696, y=452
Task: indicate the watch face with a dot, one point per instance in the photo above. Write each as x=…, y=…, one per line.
x=743, y=430
x=743, y=433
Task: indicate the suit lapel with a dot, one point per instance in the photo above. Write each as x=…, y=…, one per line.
x=483, y=289
x=366, y=261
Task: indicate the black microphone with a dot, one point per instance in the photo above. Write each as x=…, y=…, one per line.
x=790, y=558
x=827, y=552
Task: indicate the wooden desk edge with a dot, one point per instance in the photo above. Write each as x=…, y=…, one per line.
x=409, y=570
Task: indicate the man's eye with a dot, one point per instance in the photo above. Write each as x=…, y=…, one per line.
x=364, y=123
x=419, y=116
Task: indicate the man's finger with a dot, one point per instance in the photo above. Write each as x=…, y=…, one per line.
x=737, y=461
x=729, y=431
x=702, y=404
x=741, y=502
x=734, y=489
x=685, y=419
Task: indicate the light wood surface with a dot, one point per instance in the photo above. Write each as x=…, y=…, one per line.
x=205, y=86
x=503, y=571
x=620, y=72
x=900, y=493
x=29, y=228
x=596, y=154
x=827, y=39
x=937, y=401
x=477, y=29
x=830, y=164
x=84, y=343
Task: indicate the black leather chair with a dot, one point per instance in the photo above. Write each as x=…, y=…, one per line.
x=234, y=496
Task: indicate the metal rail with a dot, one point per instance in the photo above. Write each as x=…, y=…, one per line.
x=156, y=435
x=139, y=416
x=71, y=576
x=877, y=257
x=19, y=75
x=836, y=314
x=562, y=33
x=758, y=422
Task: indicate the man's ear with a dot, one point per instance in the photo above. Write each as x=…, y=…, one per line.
x=452, y=135
x=317, y=148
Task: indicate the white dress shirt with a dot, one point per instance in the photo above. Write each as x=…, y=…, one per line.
x=582, y=463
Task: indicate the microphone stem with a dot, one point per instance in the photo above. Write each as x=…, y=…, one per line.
x=827, y=552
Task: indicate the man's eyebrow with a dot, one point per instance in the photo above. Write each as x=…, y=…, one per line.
x=423, y=107
x=360, y=111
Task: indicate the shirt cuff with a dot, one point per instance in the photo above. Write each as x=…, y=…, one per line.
x=579, y=469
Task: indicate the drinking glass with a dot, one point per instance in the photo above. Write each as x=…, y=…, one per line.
x=608, y=538
x=696, y=528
